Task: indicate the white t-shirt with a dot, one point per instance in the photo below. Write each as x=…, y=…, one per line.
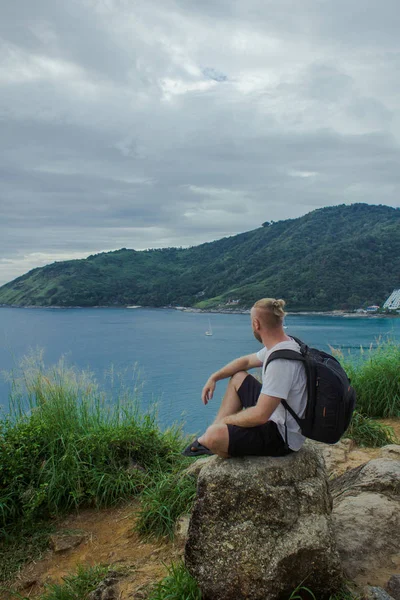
x=285, y=379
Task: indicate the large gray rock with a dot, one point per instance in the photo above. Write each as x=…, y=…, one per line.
x=262, y=525
x=366, y=517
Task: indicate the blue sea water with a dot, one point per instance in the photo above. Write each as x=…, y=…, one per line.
x=168, y=347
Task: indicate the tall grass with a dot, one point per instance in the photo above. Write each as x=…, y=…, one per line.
x=64, y=444
x=369, y=433
x=177, y=585
x=170, y=495
x=21, y=543
x=76, y=586
x=375, y=375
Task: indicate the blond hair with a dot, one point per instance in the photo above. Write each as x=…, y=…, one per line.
x=270, y=312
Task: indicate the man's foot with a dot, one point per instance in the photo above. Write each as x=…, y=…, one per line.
x=196, y=449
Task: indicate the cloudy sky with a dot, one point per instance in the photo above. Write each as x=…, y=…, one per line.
x=137, y=123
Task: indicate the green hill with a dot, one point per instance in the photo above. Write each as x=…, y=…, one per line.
x=332, y=258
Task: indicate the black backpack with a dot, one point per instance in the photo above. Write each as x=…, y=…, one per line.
x=330, y=397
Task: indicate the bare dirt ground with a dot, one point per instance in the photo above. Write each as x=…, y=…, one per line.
x=111, y=540
x=394, y=423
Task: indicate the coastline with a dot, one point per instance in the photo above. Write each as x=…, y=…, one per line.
x=226, y=311
x=311, y=313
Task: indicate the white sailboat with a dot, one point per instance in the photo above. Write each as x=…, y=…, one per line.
x=209, y=330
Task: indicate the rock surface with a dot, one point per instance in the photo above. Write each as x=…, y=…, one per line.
x=336, y=455
x=260, y=526
x=391, y=451
x=393, y=587
x=346, y=455
x=106, y=590
x=181, y=530
x=67, y=540
x=375, y=593
x=366, y=517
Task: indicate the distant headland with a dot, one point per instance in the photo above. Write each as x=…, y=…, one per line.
x=333, y=260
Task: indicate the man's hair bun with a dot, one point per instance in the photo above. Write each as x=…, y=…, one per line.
x=279, y=306
x=273, y=307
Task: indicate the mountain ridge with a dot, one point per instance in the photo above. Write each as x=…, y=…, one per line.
x=335, y=257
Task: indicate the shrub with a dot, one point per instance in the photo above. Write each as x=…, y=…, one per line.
x=375, y=377
x=63, y=445
x=367, y=432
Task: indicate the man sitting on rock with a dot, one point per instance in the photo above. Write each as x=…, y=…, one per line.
x=264, y=428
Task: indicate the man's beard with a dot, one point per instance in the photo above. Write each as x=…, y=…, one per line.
x=257, y=336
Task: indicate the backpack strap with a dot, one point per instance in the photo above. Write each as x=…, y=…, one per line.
x=290, y=355
x=303, y=346
x=287, y=355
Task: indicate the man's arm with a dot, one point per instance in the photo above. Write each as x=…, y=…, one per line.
x=250, y=361
x=255, y=415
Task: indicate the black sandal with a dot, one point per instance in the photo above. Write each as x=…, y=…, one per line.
x=196, y=449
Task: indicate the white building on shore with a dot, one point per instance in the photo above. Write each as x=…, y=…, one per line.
x=393, y=302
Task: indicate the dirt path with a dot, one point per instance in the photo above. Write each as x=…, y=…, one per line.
x=111, y=541
x=394, y=423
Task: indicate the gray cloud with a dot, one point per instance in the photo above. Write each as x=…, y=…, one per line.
x=174, y=123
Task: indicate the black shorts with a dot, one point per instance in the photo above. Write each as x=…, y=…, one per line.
x=262, y=440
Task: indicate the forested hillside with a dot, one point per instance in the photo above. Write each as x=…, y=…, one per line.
x=332, y=258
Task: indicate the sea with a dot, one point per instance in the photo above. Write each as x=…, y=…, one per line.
x=163, y=354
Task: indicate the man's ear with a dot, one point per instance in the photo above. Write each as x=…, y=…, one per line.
x=256, y=324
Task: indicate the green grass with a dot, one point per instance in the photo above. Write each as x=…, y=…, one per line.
x=375, y=378
x=19, y=544
x=346, y=591
x=75, y=586
x=374, y=374
x=167, y=497
x=369, y=433
x=66, y=445
x=78, y=586
x=302, y=592
x=178, y=585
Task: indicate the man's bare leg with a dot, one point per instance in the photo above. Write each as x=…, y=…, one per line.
x=216, y=437
x=231, y=404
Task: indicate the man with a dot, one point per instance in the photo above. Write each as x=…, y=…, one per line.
x=263, y=427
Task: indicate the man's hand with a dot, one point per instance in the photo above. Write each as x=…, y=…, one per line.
x=250, y=361
x=208, y=390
